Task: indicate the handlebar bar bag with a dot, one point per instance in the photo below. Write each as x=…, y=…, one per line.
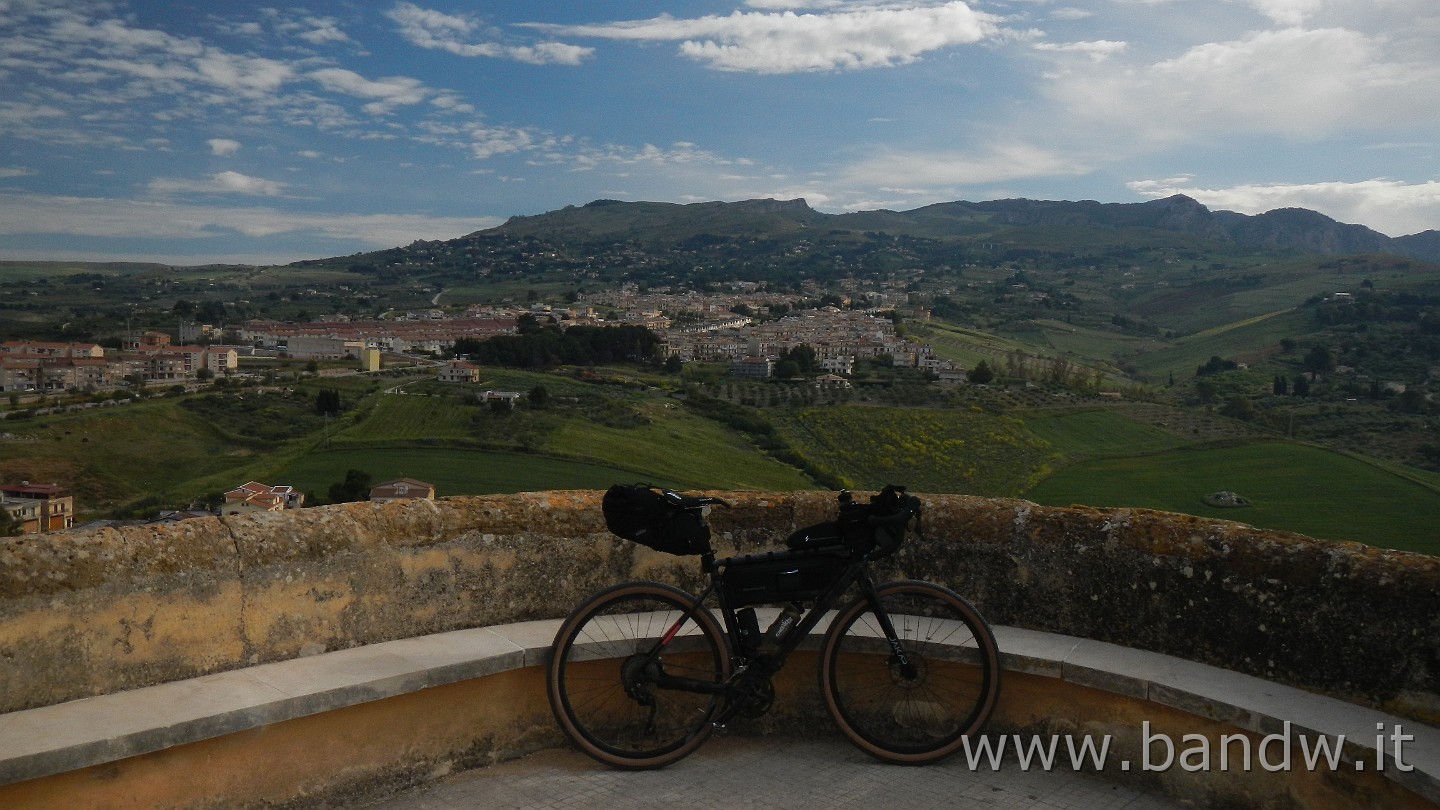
x=639, y=513
x=875, y=529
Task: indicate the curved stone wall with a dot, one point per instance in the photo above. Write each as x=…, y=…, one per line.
x=113, y=609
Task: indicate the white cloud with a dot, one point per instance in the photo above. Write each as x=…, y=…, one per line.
x=1295, y=83
x=1287, y=12
x=387, y=93
x=15, y=171
x=1097, y=50
x=113, y=218
x=934, y=170
x=320, y=30
x=435, y=30
x=221, y=183
x=850, y=39
x=223, y=147
x=781, y=5
x=1389, y=206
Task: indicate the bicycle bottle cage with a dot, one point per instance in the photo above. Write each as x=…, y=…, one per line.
x=641, y=513
x=874, y=530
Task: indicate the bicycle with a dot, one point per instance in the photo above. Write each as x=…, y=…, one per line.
x=641, y=673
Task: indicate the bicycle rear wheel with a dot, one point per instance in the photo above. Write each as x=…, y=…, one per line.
x=604, y=665
x=918, y=708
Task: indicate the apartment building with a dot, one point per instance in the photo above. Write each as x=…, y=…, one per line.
x=51, y=368
x=39, y=508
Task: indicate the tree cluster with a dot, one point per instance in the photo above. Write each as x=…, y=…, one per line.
x=577, y=345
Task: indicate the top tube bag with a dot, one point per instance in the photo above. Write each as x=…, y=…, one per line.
x=641, y=513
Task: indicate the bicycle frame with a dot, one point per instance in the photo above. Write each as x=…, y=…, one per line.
x=770, y=662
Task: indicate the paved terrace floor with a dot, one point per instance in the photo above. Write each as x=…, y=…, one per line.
x=773, y=772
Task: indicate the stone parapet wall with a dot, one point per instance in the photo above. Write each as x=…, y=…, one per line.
x=113, y=609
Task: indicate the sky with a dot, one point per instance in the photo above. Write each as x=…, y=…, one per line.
x=264, y=133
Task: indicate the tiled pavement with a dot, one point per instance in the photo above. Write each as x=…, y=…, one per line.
x=771, y=772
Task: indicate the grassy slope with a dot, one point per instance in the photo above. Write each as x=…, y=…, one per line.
x=119, y=453
x=679, y=446
x=1089, y=434
x=454, y=472
x=928, y=450
x=1293, y=487
x=1247, y=339
x=673, y=446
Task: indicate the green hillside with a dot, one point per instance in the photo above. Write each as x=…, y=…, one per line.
x=454, y=472
x=929, y=450
x=1292, y=487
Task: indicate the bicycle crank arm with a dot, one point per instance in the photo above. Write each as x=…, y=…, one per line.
x=690, y=685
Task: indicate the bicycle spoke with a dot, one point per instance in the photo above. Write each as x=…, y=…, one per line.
x=919, y=710
x=604, y=669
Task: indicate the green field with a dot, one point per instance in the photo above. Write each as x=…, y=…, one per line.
x=403, y=417
x=1090, y=434
x=1244, y=339
x=121, y=452
x=928, y=450
x=679, y=446
x=166, y=452
x=454, y=472
x=1293, y=487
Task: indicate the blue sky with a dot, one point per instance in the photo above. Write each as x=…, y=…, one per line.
x=192, y=132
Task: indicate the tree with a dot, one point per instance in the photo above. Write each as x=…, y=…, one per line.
x=1238, y=407
x=1215, y=365
x=1301, y=386
x=327, y=401
x=1281, y=386
x=9, y=526
x=355, y=487
x=1319, y=360
x=980, y=374
x=1206, y=390
x=539, y=397
x=804, y=358
x=528, y=324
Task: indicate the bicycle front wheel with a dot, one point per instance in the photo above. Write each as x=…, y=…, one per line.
x=604, y=672
x=915, y=704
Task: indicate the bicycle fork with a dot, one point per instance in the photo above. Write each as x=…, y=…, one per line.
x=898, y=658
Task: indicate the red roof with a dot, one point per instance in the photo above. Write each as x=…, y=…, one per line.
x=48, y=490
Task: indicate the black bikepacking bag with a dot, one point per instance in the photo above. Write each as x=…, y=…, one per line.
x=641, y=513
x=785, y=576
x=874, y=530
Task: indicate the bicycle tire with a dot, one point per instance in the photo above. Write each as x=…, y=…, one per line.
x=599, y=681
x=922, y=714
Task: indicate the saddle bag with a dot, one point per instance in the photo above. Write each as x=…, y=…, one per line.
x=641, y=513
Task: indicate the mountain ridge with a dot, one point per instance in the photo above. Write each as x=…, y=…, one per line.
x=1297, y=229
